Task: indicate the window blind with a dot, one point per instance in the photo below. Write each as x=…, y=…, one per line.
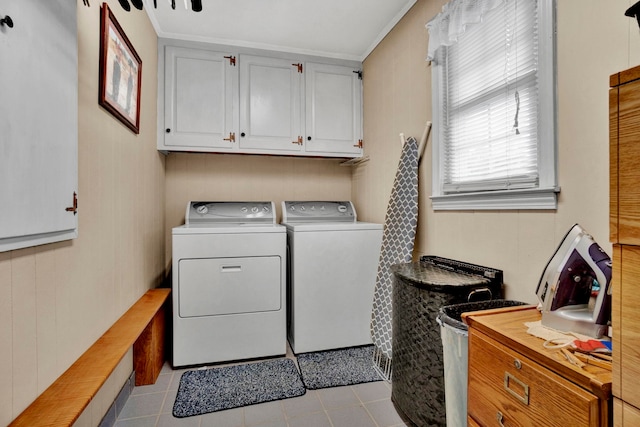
x=490, y=102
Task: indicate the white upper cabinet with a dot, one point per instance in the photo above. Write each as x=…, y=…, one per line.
x=201, y=100
x=271, y=100
x=257, y=103
x=38, y=123
x=333, y=109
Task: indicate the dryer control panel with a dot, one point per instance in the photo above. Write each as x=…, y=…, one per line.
x=230, y=212
x=318, y=211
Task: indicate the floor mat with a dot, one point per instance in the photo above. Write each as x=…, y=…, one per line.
x=215, y=389
x=334, y=368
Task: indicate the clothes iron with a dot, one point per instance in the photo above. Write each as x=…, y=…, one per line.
x=574, y=289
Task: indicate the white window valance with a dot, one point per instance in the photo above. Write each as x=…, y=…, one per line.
x=447, y=26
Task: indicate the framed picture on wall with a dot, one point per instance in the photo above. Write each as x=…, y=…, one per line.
x=120, y=72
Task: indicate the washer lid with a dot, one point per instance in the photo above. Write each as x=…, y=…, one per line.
x=230, y=213
x=318, y=211
x=222, y=228
x=302, y=227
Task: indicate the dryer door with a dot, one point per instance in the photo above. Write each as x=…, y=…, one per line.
x=219, y=286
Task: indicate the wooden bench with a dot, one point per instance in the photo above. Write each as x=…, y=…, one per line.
x=142, y=326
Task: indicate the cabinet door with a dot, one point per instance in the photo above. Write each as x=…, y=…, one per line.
x=628, y=170
x=625, y=415
x=333, y=109
x=270, y=104
x=200, y=99
x=626, y=326
x=38, y=122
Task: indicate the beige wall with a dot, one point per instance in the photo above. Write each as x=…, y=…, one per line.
x=58, y=299
x=233, y=177
x=595, y=40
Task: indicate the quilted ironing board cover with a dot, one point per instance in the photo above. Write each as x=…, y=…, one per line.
x=398, y=238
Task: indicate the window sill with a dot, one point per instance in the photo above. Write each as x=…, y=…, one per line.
x=532, y=199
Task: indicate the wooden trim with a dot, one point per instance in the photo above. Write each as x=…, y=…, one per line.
x=614, y=80
x=616, y=320
x=142, y=326
x=614, y=115
x=624, y=77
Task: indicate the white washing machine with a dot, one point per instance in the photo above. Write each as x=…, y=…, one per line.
x=229, y=283
x=333, y=262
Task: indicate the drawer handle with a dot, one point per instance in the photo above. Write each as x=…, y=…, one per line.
x=231, y=269
x=524, y=398
x=500, y=417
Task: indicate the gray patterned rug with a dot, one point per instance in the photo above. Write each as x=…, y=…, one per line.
x=334, y=368
x=211, y=390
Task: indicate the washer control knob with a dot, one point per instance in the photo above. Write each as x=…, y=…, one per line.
x=265, y=209
x=342, y=208
x=255, y=209
x=244, y=209
x=202, y=209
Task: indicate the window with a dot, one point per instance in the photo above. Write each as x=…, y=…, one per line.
x=493, y=81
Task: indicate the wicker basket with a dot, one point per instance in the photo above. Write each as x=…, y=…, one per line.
x=419, y=291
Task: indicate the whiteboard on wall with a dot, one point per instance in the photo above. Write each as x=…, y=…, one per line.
x=38, y=122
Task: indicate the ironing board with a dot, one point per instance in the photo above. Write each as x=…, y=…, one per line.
x=398, y=238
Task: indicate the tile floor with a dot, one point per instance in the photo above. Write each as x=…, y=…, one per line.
x=362, y=405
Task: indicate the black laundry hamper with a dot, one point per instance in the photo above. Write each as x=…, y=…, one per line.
x=420, y=289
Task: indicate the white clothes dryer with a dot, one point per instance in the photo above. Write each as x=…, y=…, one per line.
x=229, y=283
x=332, y=267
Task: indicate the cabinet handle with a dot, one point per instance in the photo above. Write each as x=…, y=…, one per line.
x=73, y=208
x=359, y=144
x=500, y=417
x=524, y=398
x=167, y=130
x=308, y=138
x=232, y=137
x=299, y=141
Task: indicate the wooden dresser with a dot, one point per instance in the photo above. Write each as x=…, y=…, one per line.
x=624, y=226
x=515, y=381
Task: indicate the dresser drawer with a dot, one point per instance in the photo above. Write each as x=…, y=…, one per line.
x=507, y=388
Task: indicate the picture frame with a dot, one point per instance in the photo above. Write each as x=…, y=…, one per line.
x=120, y=72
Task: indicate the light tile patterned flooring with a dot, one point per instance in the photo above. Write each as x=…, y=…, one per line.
x=362, y=405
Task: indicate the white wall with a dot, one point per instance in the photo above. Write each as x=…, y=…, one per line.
x=595, y=40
